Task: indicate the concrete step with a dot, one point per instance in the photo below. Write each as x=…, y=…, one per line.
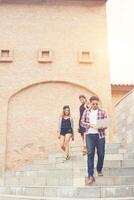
x=110, y=148
x=77, y=156
x=69, y=181
x=71, y=192
x=70, y=172
x=81, y=162
x=114, y=180
x=17, y=197
x=116, y=146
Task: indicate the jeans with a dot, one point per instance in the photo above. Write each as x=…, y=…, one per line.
x=93, y=141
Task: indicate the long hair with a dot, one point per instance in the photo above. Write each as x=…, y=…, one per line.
x=63, y=112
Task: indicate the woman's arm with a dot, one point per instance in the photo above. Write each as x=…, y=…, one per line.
x=72, y=126
x=72, y=122
x=59, y=124
x=59, y=127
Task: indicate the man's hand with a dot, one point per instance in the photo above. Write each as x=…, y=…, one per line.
x=93, y=126
x=73, y=137
x=102, y=127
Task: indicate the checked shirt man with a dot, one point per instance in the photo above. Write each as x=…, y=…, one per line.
x=95, y=138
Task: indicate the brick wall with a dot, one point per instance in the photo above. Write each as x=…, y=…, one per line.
x=50, y=52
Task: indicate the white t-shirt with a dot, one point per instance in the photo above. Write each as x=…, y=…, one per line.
x=93, y=120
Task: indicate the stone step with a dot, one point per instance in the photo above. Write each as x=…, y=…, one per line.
x=129, y=156
x=77, y=156
x=77, y=164
x=17, y=197
x=69, y=181
x=110, y=148
x=79, y=172
x=71, y=192
x=107, y=146
x=114, y=180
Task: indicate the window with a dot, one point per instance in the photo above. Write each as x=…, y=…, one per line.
x=85, y=57
x=45, y=56
x=6, y=55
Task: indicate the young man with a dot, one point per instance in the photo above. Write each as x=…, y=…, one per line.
x=95, y=138
x=81, y=129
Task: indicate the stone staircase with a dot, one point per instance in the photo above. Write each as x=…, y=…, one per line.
x=55, y=179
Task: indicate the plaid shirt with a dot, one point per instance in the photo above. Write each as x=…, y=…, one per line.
x=85, y=120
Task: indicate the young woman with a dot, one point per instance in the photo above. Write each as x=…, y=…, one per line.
x=81, y=129
x=65, y=132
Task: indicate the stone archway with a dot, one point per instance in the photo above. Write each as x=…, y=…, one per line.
x=33, y=116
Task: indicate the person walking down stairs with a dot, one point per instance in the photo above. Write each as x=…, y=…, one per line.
x=81, y=129
x=65, y=131
x=95, y=138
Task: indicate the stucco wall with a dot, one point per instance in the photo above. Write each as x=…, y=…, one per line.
x=116, y=97
x=33, y=116
x=119, y=91
x=125, y=121
x=65, y=27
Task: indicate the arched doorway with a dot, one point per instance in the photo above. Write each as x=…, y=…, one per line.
x=33, y=119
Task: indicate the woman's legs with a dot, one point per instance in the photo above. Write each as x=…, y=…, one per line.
x=68, y=136
x=82, y=132
x=82, y=137
x=62, y=142
x=84, y=145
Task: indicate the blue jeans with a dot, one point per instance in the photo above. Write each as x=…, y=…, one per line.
x=93, y=141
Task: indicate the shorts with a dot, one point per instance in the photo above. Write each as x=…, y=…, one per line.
x=65, y=131
x=81, y=130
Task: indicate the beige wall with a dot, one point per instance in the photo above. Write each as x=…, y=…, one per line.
x=116, y=97
x=65, y=27
x=33, y=115
x=119, y=91
x=125, y=121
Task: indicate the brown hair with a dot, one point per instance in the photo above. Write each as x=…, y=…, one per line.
x=94, y=98
x=82, y=96
x=64, y=108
